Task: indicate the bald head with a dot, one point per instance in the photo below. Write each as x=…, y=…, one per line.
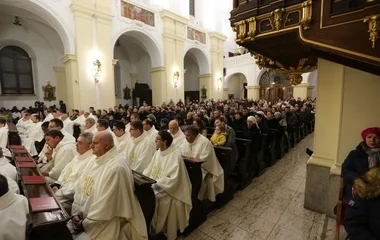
x=173, y=127
x=102, y=143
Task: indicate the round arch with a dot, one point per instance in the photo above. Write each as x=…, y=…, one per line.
x=146, y=41
x=201, y=58
x=227, y=79
x=50, y=16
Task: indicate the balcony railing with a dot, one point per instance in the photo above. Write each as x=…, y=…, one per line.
x=238, y=60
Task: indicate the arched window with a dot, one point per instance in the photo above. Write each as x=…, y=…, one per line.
x=192, y=8
x=16, y=75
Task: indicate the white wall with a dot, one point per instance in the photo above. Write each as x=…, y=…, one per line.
x=143, y=69
x=244, y=64
x=191, y=75
x=313, y=82
x=44, y=47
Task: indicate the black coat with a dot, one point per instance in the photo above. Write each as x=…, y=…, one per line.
x=355, y=165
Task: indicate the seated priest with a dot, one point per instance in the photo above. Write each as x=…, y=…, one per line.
x=140, y=149
x=13, y=211
x=121, y=137
x=23, y=124
x=80, y=120
x=64, y=187
x=90, y=126
x=63, y=152
x=68, y=125
x=200, y=148
x=3, y=133
x=149, y=128
x=7, y=169
x=172, y=190
x=176, y=132
x=105, y=206
x=34, y=133
x=134, y=117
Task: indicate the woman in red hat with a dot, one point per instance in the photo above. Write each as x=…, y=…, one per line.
x=360, y=160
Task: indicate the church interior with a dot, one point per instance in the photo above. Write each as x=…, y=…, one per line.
x=189, y=119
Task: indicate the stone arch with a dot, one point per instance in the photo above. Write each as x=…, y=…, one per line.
x=227, y=79
x=201, y=58
x=146, y=41
x=50, y=16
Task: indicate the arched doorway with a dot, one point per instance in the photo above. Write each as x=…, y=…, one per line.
x=236, y=84
x=274, y=86
x=136, y=53
x=195, y=64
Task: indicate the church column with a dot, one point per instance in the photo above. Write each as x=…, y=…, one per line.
x=61, y=83
x=72, y=83
x=204, y=81
x=225, y=93
x=216, y=52
x=253, y=92
x=159, y=84
x=134, y=79
x=174, y=27
x=301, y=90
x=339, y=122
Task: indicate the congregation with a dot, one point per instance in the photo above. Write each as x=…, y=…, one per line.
x=88, y=156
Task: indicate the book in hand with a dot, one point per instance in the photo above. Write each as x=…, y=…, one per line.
x=33, y=180
x=26, y=165
x=43, y=204
x=24, y=159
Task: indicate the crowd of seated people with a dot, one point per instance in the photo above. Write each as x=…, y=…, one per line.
x=84, y=154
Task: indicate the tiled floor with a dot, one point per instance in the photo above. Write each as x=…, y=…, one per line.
x=271, y=207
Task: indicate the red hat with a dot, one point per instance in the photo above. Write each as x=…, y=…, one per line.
x=374, y=130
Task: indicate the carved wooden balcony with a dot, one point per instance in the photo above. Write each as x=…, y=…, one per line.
x=291, y=35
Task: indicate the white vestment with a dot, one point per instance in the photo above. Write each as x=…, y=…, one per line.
x=13, y=186
x=22, y=126
x=139, y=152
x=63, y=153
x=104, y=196
x=173, y=192
x=178, y=138
x=152, y=133
x=3, y=137
x=34, y=133
x=13, y=211
x=48, y=117
x=81, y=121
x=122, y=142
x=213, y=175
x=7, y=169
x=127, y=128
x=69, y=176
x=91, y=129
x=68, y=125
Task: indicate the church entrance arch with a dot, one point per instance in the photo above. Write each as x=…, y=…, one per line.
x=195, y=65
x=136, y=54
x=236, y=84
x=274, y=86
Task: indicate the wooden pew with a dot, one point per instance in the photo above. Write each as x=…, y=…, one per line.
x=242, y=167
x=45, y=224
x=224, y=156
x=13, y=137
x=198, y=213
x=145, y=195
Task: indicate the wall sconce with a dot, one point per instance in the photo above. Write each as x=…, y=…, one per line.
x=176, y=79
x=219, y=83
x=96, y=70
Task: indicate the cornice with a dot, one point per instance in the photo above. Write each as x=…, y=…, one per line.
x=157, y=69
x=69, y=57
x=171, y=15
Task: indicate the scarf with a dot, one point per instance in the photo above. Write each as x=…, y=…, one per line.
x=373, y=157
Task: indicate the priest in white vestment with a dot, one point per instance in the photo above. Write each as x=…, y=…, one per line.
x=48, y=116
x=105, y=206
x=134, y=117
x=65, y=186
x=23, y=124
x=63, y=152
x=34, y=133
x=176, y=132
x=198, y=147
x=121, y=138
x=140, y=149
x=149, y=129
x=13, y=211
x=7, y=169
x=172, y=190
x=90, y=126
x=68, y=125
x=3, y=133
x=80, y=121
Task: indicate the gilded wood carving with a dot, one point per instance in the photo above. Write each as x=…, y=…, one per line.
x=49, y=92
x=373, y=28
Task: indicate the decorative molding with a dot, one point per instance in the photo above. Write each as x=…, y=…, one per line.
x=173, y=16
x=373, y=28
x=252, y=87
x=217, y=35
x=207, y=75
x=69, y=57
x=59, y=69
x=306, y=14
x=157, y=69
x=320, y=160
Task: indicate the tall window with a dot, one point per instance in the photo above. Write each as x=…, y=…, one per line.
x=16, y=75
x=192, y=7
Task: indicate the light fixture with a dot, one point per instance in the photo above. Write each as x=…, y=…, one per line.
x=96, y=70
x=219, y=83
x=175, y=79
